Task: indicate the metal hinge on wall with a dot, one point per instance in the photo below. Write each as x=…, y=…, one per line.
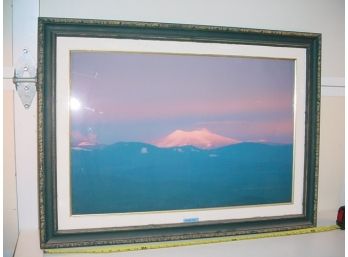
x=25, y=78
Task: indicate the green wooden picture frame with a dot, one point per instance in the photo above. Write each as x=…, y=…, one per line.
x=51, y=29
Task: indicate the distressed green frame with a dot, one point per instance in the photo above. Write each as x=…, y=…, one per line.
x=51, y=28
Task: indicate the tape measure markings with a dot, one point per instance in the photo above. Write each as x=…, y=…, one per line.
x=150, y=246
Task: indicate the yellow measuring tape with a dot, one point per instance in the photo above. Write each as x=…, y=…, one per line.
x=148, y=246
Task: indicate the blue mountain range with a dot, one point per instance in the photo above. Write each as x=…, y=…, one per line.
x=138, y=177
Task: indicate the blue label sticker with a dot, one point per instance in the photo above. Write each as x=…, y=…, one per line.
x=189, y=220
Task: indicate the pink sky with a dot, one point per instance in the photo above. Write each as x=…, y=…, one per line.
x=137, y=97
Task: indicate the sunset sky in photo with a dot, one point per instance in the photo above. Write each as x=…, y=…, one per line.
x=135, y=97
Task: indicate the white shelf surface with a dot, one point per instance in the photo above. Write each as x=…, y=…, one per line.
x=323, y=244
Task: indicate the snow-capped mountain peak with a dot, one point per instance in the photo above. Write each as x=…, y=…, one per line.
x=200, y=138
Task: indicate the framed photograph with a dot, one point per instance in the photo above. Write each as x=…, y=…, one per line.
x=153, y=132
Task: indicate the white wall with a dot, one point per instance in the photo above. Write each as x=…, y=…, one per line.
x=323, y=16
x=9, y=169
